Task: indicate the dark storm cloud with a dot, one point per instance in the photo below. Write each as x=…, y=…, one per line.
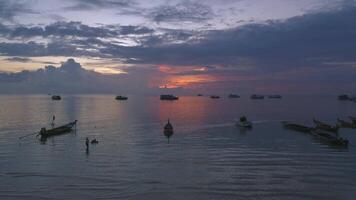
x=95, y=4
x=305, y=41
x=72, y=29
x=186, y=11
x=9, y=9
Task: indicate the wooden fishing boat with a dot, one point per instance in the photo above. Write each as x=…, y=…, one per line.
x=274, y=96
x=256, y=96
x=329, y=138
x=346, y=124
x=58, y=130
x=215, y=97
x=168, y=130
x=353, y=119
x=121, y=98
x=344, y=97
x=234, y=96
x=243, y=123
x=168, y=97
x=327, y=127
x=56, y=97
x=297, y=127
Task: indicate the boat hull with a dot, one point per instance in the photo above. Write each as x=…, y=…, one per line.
x=297, y=127
x=57, y=131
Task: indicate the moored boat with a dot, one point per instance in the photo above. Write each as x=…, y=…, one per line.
x=327, y=127
x=346, y=124
x=56, y=97
x=168, y=97
x=58, y=130
x=243, y=123
x=297, y=127
x=256, y=96
x=215, y=97
x=168, y=130
x=274, y=96
x=234, y=96
x=121, y=97
x=343, y=97
x=330, y=138
x=353, y=119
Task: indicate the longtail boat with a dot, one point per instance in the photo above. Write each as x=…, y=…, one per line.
x=353, y=119
x=346, y=124
x=327, y=127
x=58, y=130
x=297, y=127
x=168, y=130
x=330, y=139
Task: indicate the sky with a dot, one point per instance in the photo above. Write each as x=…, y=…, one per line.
x=178, y=46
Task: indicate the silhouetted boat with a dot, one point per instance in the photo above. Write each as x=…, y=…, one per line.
x=56, y=97
x=215, y=97
x=256, y=96
x=168, y=97
x=275, y=96
x=297, y=127
x=233, y=96
x=121, y=97
x=57, y=131
x=243, y=123
x=329, y=138
x=346, y=124
x=168, y=130
x=327, y=127
x=344, y=97
x=353, y=119
x=199, y=95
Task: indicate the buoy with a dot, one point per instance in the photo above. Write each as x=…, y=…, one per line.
x=168, y=130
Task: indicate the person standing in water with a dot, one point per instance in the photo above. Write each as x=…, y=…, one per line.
x=87, y=143
x=53, y=118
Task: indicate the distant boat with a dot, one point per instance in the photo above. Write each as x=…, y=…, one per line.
x=57, y=131
x=327, y=127
x=168, y=97
x=256, y=96
x=275, y=96
x=199, y=95
x=330, y=139
x=233, y=96
x=344, y=97
x=215, y=97
x=346, y=124
x=243, y=123
x=121, y=97
x=297, y=127
x=353, y=119
x=168, y=130
x=56, y=97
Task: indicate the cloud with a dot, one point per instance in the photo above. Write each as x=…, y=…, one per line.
x=10, y=9
x=185, y=11
x=70, y=77
x=71, y=29
x=96, y=4
x=18, y=59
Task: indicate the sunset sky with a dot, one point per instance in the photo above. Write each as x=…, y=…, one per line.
x=185, y=46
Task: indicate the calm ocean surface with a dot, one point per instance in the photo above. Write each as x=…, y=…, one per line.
x=207, y=158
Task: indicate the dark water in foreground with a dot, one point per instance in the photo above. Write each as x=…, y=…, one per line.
x=208, y=157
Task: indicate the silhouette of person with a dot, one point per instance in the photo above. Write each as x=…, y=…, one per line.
x=87, y=143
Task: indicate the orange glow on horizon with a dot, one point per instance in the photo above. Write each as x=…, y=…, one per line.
x=186, y=81
x=179, y=69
